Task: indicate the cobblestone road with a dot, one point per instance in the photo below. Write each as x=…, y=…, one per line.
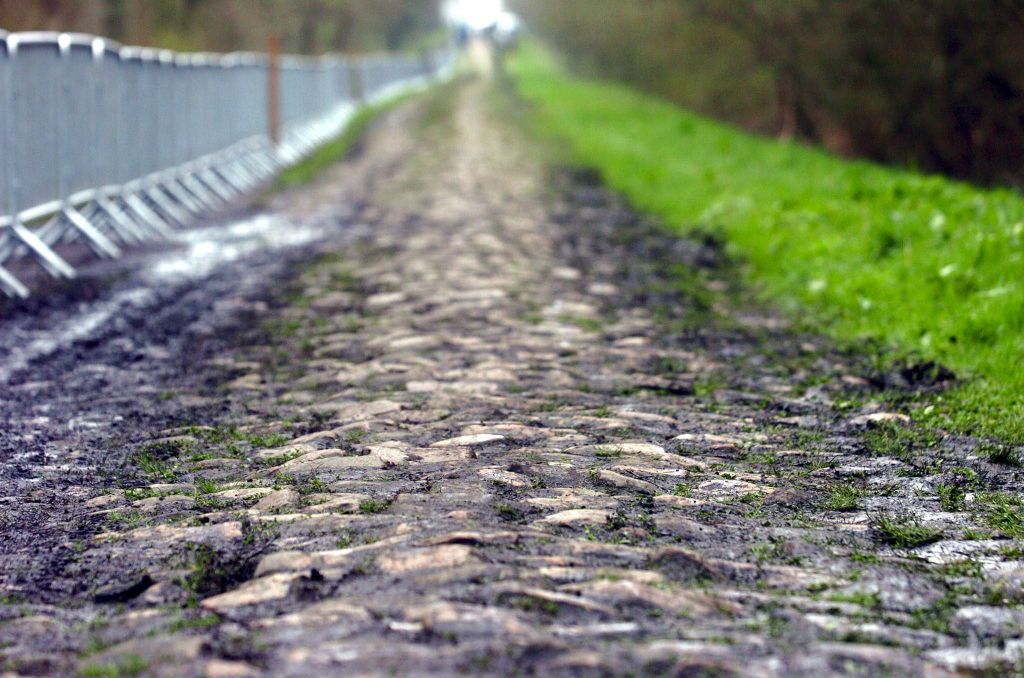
x=488, y=439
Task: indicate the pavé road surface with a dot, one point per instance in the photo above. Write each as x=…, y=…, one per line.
x=478, y=427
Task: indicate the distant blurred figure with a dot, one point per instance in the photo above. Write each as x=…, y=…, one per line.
x=507, y=31
x=462, y=35
x=473, y=16
x=504, y=36
x=489, y=27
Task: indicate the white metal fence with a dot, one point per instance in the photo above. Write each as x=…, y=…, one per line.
x=112, y=145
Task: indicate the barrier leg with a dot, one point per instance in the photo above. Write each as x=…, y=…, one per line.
x=266, y=165
x=53, y=231
x=252, y=170
x=50, y=260
x=233, y=175
x=243, y=174
x=201, y=192
x=11, y=286
x=216, y=186
x=103, y=246
x=120, y=222
x=183, y=197
x=161, y=201
x=147, y=216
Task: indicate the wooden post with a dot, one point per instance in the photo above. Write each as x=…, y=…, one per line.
x=274, y=89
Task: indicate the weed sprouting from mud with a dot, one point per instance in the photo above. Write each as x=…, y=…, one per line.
x=127, y=666
x=153, y=467
x=843, y=497
x=1004, y=512
x=903, y=531
x=374, y=505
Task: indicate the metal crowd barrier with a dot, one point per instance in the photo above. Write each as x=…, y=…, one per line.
x=112, y=146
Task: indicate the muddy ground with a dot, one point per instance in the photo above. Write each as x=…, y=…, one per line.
x=475, y=416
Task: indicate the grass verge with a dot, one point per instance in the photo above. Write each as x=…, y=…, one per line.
x=927, y=267
x=333, y=151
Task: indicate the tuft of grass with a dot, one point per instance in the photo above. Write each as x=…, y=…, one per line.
x=952, y=497
x=766, y=458
x=963, y=568
x=862, y=557
x=153, y=467
x=707, y=385
x=952, y=493
x=344, y=539
x=268, y=441
x=1004, y=455
x=922, y=264
x=314, y=486
x=279, y=459
x=904, y=531
x=843, y=497
x=203, y=569
x=509, y=512
x=553, y=404
x=126, y=519
x=1004, y=512
x=668, y=366
x=356, y=435
x=373, y=505
x=210, y=571
x=534, y=604
x=863, y=598
x=586, y=324
x=187, y=623
x=206, y=486
x=682, y=490
x=230, y=438
x=900, y=442
x=125, y=667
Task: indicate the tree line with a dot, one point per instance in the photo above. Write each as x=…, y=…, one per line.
x=933, y=84
x=304, y=26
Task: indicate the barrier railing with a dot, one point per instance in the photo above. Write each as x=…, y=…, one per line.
x=111, y=145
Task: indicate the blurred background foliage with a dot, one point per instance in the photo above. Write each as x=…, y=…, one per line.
x=304, y=26
x=936, y=85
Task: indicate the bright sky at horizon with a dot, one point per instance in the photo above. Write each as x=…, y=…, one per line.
x=476, y=14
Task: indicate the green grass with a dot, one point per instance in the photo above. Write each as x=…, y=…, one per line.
x=902, y=442
x=155, y=468
x=206, y=486
x=951, y=497
x=843, y=497
x=925, y=264
x=682, y=490
x=904, y=531
x=373, y=506
x=188, y=623
x=1004, y=512
x=130, y=665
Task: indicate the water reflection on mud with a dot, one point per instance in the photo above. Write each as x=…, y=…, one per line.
x=193, y=255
